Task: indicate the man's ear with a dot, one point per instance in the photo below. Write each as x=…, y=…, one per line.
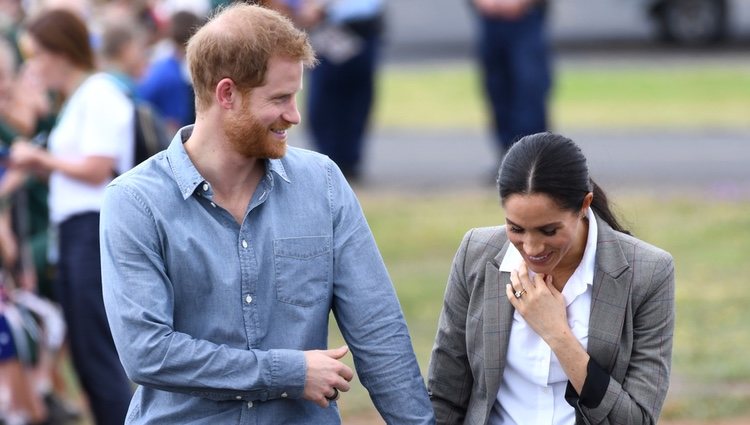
x=226, y=93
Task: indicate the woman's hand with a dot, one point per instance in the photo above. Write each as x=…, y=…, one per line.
x=543, y=308
x=540, y=303
x=26, y=155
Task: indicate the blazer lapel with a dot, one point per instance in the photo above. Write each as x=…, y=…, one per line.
x=611, y=293
x=498, y=317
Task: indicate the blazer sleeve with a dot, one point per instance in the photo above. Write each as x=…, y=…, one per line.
x=449, y=378
x=640, y=396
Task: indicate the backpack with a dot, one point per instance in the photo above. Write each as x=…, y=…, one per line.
x=150, y=133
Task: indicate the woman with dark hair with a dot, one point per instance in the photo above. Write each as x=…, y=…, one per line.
x=558, y=317
x=91, y=141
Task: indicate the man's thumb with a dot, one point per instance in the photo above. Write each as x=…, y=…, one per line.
x=337, y=353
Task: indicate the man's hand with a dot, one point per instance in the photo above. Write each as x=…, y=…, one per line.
x=310, y=14
x=504, y=9
x=325, y=373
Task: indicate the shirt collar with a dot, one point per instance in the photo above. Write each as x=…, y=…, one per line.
x=513, y=259
x=187, y=176
x=277, y=166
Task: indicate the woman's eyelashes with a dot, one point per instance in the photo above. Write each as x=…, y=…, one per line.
x=544, y=231
x=548, y=232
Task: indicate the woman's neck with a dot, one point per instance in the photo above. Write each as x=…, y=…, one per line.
x=75, y=78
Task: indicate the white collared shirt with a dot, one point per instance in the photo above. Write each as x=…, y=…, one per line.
x=532, y=389
x=97, y=120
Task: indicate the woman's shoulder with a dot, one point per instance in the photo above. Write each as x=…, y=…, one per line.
x=484, y=242
x=102, y=83
x=639, y=249
x=645, y=263
x=633, y=248
x=487, y=235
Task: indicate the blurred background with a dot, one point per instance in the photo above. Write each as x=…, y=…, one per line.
x=631, y=76
x=656, y=93
x=445, y=27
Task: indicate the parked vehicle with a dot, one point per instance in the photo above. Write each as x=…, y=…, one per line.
x=682, y=22
x=691, y=22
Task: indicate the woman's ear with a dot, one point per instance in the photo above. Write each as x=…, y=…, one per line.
x=587, y=200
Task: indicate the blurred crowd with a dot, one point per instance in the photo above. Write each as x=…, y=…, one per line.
x=136, y=48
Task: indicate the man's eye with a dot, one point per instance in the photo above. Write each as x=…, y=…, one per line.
x=515, y=229
x=549, y=232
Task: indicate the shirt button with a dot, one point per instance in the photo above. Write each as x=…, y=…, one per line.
x=239, y=397
x=248, y=299
x=205, y=187
x=213, y=205
x=284, y=395
x=249, y=404
x=244, y=243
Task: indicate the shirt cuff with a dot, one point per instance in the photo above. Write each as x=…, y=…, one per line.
x=594, y=387
x=288, y=372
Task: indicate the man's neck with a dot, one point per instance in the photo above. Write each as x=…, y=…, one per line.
x=232, y=176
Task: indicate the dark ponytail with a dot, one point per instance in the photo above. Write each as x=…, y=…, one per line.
x=600, y=205
x=555, y=166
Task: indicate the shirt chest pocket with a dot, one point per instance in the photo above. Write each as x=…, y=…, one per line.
x=302, y=269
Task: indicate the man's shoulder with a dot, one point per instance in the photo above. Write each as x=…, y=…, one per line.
x=167, y=64
x=149, y=178
x=300, y=160
x=160, y=72
x=302, y=154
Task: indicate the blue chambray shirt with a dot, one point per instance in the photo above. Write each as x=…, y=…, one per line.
x=211, y=317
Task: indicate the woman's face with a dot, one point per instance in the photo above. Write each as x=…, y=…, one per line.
x=48, y=66
x=547, y=236
x=6, y=77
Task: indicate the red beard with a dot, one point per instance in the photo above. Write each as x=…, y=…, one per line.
x=252, y=139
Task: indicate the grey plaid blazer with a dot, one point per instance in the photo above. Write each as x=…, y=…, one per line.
x=630, y=330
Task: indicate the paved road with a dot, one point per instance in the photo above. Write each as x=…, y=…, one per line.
x=444, y=28
x=436, y=32
x=715, y=163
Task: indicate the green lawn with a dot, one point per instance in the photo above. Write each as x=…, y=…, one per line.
x=708, y=96
x=709, y=240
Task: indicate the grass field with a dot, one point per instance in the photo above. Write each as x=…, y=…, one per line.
x=707, y=96
x=708, y=239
